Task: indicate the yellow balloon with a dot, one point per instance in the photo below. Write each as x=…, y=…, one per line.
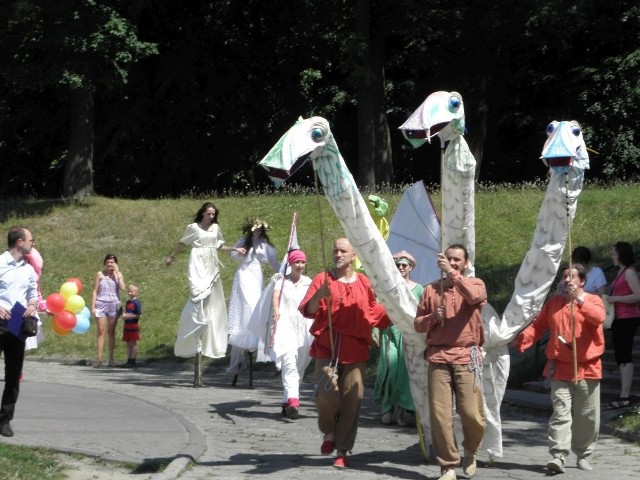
x=75, y=303
x=67, y=289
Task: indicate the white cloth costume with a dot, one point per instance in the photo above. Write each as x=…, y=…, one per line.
x=292, y=339
x=245, y=294
x=203, y=323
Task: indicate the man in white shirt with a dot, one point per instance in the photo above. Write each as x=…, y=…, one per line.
x=18, y=285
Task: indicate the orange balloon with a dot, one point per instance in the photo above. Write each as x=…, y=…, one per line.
x=65, y=320
x=57, y=330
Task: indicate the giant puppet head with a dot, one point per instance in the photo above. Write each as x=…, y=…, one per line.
x=565, y=147
x=441, y=114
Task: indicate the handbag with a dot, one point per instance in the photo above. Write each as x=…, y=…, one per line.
x=30, y=326
x=610, y=311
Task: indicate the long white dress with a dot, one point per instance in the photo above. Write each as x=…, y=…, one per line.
x=245, y=294
x=203, y=323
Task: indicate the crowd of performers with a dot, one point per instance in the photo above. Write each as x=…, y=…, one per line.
x=335, y=317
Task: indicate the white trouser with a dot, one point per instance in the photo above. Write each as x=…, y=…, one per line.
x=294, y=364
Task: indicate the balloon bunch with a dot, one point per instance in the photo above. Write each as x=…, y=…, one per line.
x=68, y=308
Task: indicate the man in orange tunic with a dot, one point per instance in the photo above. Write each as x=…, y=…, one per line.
x=344, y=308
x=575, y=421
x=454, y=325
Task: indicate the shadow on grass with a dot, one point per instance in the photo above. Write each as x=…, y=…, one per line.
x=23, y=208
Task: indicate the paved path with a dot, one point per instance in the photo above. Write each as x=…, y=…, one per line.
x=153, y=412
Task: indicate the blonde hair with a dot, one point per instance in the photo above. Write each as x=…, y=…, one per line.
x=133, y=287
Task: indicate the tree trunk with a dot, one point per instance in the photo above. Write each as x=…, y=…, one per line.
x=78, y=169
x=375, y=164
x=366, y=114
x=479, y=122
x=382, y=146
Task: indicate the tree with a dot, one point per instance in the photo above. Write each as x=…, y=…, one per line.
x=78, y=46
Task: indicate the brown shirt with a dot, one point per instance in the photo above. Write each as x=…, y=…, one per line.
x=462, y=328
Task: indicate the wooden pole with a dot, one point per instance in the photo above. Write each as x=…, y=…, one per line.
x=574, y=348
x=324, y=259
x=442, y=246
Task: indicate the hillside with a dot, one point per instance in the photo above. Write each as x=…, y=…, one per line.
x=73, y=239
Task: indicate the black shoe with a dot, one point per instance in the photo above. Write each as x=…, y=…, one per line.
x=5, y=430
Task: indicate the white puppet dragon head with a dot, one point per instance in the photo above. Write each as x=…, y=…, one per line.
x=301, y=142
x=441, y=114
x=565, y=147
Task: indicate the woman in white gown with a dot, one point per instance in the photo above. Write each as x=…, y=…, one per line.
x=203, y=324
x=247, y=287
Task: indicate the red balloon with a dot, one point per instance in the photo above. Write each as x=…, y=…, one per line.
x=59, y=331
x=65, y=320
x=77, y=281
x=55, y=303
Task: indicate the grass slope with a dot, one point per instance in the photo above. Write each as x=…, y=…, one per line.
x=73, y=239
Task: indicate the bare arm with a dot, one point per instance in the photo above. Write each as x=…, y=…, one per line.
x=631, y=276
x=179, y=247
x=94, y=294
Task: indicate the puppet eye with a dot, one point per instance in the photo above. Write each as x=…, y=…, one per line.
x=318, y=133
x=454, y=103
x=575, y=130
x=551, y=127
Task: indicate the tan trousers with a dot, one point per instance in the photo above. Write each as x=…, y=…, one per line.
x=444, y=381
x=338, y=411
x=575, y=421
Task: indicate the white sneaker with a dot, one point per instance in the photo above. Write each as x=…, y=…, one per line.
x=469, y=464
x=556, y=465
x=583, y=464
x=449, y=474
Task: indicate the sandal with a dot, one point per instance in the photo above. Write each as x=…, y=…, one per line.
x=619, y=403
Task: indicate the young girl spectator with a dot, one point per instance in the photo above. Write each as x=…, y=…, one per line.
x=105, y=302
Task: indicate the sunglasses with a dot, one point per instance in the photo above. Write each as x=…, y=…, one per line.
x=402, y=264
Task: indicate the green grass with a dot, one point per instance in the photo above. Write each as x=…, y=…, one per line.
x=74, y=238
x=27, y=463
x=630, y=421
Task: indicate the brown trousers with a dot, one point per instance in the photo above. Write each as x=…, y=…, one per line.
x=444, y=381
x=339, y=408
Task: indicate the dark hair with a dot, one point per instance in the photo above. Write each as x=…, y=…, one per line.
x=110, y=256
x=625, y=253
x=247, y=241
x=460, y=247
x=578, y=267
x=581, y=255
x=200, y=213
x=16, y=233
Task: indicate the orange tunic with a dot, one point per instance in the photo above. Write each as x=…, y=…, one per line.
x=354, y=310
x=555, y=316
x=462, y=328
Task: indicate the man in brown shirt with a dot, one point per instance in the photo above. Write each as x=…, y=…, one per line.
x=454, y=325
